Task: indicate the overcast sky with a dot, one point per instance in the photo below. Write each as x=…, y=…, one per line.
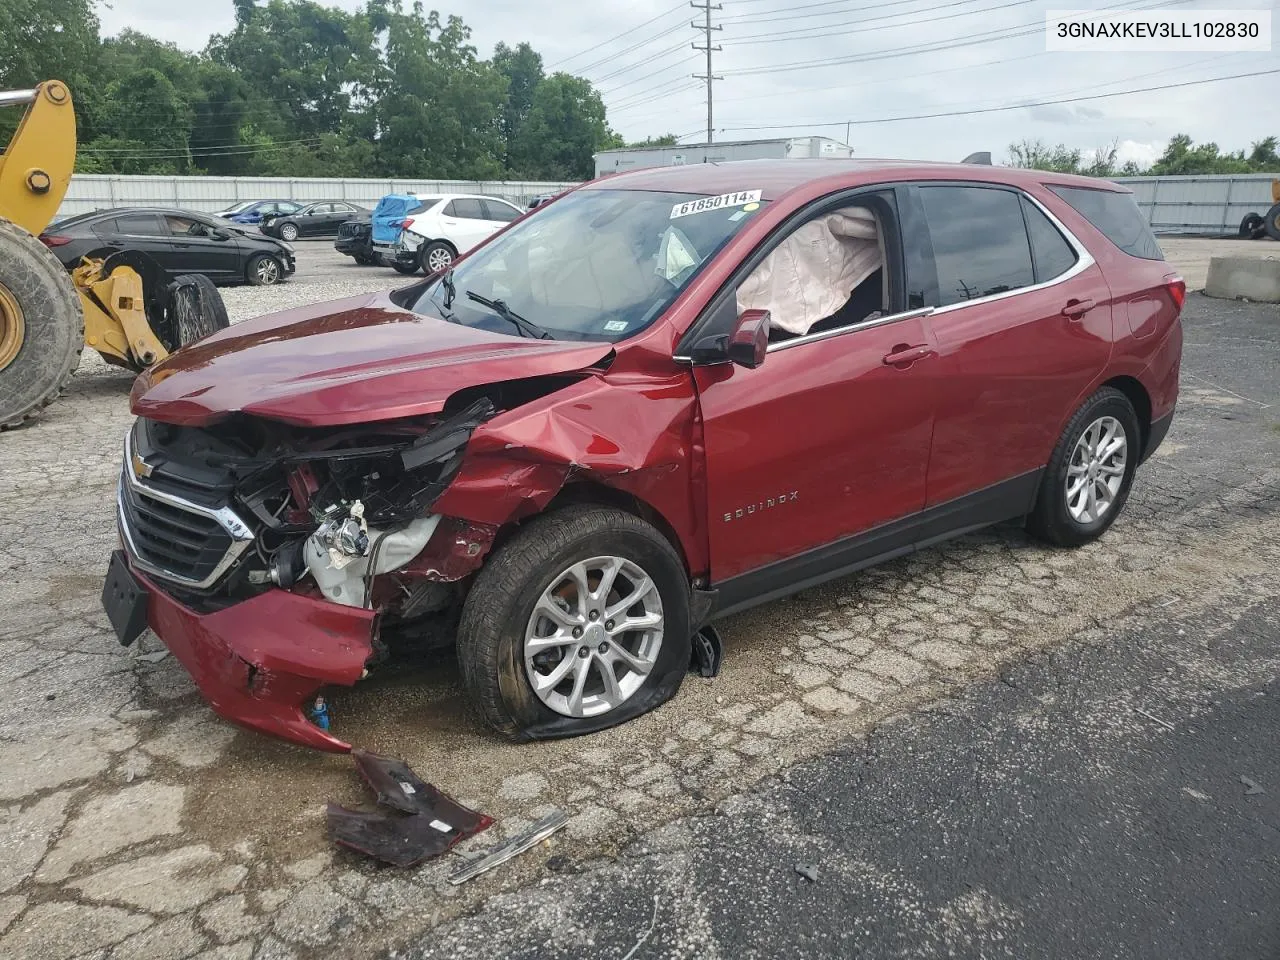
x=649, y=89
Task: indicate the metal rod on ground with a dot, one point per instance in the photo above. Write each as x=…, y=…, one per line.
x=709, y=77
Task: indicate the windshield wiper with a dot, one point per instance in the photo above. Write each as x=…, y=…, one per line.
x=527, y=328
x=446, y=281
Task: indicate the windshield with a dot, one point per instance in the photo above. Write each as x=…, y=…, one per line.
x=595, y=265
x=237, y=207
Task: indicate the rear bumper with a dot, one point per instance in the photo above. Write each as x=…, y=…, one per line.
x=1159, y=430
x=259, y=662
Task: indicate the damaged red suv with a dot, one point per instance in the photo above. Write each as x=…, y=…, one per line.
x=664, y=397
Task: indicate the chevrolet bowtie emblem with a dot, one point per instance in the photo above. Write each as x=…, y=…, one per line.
x=141, y=469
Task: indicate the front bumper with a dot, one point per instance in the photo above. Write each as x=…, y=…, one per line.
x=258, y=662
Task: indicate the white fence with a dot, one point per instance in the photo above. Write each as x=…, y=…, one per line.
x=1199, y=204
x=1212, y=205
x=90, y=192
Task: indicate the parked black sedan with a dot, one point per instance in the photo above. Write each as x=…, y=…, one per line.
x=179, y=240
x=320, y=219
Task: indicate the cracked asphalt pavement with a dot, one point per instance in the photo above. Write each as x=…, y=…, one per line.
x=987, y=749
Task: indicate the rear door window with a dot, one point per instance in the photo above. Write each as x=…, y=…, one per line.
x=1050, y=252
x=465, y=208
x=1116, y=216
x=141, y=225
x=980, y=244
x=496, y=210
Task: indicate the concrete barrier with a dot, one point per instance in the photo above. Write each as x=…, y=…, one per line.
x=1244, y=278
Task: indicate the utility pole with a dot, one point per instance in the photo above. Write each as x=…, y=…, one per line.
x=709, y=77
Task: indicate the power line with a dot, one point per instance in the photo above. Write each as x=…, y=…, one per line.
x=652, y=73
x=807, y=33
x=640, y=63
x=988, y=36
x=789, y=13
x=1010, y=106
x=709, y=77
x=612, y=57
x=574, y=56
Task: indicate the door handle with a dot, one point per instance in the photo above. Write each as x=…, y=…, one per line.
x=1075, y=309
x=904, y=354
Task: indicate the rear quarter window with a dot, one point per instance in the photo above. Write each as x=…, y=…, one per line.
x=1116, y=216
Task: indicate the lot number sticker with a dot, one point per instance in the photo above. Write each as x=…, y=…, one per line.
x=725, y=200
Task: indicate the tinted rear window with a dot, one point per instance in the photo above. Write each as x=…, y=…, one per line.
x=1116, y=216
x=979, y=242
x=1052, y=254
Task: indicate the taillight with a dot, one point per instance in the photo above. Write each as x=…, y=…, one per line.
x=406, y=223
x=1178, y=290
x=54, y=241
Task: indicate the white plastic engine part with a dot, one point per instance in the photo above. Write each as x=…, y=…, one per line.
x=391, y=551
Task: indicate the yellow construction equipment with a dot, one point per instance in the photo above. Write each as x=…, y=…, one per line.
x=46, y=316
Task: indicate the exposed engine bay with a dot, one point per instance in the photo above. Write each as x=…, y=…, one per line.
x=327, y=512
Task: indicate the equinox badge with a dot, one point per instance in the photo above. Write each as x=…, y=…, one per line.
x=769, y=504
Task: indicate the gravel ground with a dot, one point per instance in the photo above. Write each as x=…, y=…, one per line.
x=133, y=824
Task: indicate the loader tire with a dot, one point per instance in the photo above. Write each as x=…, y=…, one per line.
x=41, y=326
x=194, y=310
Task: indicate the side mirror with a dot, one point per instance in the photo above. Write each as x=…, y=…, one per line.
x=749, y=341
x=221, y=235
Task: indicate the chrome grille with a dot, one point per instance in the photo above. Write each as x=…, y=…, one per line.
x=175, y=539
x=352, y=228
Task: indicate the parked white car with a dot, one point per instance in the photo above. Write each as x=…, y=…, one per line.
x=441, y=228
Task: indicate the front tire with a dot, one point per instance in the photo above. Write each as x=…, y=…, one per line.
x=289, y=232
x=578, y=623
x=406, y=268
x=1087, y=482
x=264, y=271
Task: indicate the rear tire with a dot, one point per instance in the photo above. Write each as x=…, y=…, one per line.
x=264, y=271
x=1079, y=497
x=436, y=257
x=41, y=326
x=499, y=618
x=1273, y=222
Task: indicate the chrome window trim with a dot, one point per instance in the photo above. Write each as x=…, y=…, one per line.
x=851, y=328
x=239, y=531
x=1084, y=260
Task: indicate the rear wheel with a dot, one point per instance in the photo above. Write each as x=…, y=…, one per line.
x=41, y=326
x=1088, y=478
x=405, y=268
x=435, y=257
x=578, y=623
x=264, y=271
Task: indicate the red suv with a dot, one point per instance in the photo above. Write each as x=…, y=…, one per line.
x=667, y=396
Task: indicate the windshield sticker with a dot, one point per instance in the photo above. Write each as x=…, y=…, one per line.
x=615, y=326
x=703, y=204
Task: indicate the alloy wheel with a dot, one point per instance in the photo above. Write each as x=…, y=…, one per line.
x=268, y=271
x=438, y=259
x=289, y=232
x=1096, y=471
x=593, y=637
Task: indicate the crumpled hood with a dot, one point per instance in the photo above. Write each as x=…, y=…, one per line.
x=349, y=361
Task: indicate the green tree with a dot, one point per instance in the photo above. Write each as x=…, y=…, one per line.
x=442, y=115
x=522, y=68
x=566, y=125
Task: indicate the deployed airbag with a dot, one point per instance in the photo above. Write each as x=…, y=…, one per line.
x=813, y=272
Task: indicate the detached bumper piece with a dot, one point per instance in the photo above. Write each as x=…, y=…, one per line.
x=426, y=822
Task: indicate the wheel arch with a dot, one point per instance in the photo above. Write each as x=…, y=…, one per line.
x=593, y=492
x=1137, y=395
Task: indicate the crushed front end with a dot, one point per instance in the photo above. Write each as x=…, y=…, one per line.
x=274, y=560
